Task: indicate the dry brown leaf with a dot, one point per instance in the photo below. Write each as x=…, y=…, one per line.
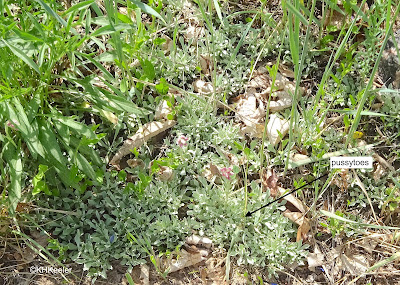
x=260, y=79
x=248, y=111
x=214, y=170
x=135, y=163
x=187, y=259
x=281, y=82
x=369, y=244
x=355, y=264
x=194, y=32
x=295, y=217
x=303, y=222
x=162, y=111
x=296, y=203
x=168, y=45
x=206, y=64
x=254, y=130
x=270, y=181
x=200, y=241
x=286, y=71
x=203, y=87
x=275, y=125
x=144, y=133
x=251, y=114
x=28, y=254
x=298, y=157
x=303, y=230
x=378, y=172
x=284, y=100
x=145, y=274
x=165, y=173
x=316, y=258
x=383, y=161
x=212, y=174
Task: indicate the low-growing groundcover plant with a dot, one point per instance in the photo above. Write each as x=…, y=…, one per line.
x=77, y=79
x=106, y=215
x=103, y=217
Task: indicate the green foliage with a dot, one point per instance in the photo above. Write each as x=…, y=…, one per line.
x=105, y=216
x=263, y=238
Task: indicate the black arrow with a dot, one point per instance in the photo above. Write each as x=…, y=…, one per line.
x=251, y=213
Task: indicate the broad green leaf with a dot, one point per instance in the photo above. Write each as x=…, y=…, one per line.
x=26, y=36
x=147, y=9
x=13, y=158
x=22, y=56
x=148, y=69
x=162, y=87
x=86, y=167
x=106, y=73
x=79, y=128
x=28, y=131
x=110, y=29
x=39, y=185
x=54, y=155
x=48, y=139
x=83, y=164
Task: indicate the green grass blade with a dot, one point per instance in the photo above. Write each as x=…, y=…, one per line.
x=218, y=9
x=358, y=224
x=19, y=53
x=129, y=279
x=147, y=9
x=53, y=14
x=364, y=98
x=363, y=113
x=331, y=62
x=296, y=12
x=79, y=6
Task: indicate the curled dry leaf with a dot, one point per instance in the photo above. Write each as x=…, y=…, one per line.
x=203, y=87
x=248, y=110
x=270, y=181
x=187, y=259
x=214, y=170
x=295, y=204
x=316, y=258
x=144, y=133
x=145, y=274
x=168, y=45
x=303, y=222
x=212, y=174
x=135, y=163
x=260, y=79
x=354, y=264
x=165, y=173
x=284, y=100
x=275, y=126
x=200, y=241
x=286, y=71
x=162, y=111
x=205, y=64
x=298, y=157
x=251, y=112
x=194, y=32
